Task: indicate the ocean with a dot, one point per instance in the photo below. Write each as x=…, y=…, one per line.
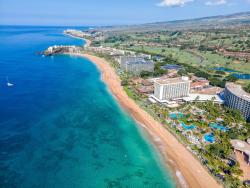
x=59, y=125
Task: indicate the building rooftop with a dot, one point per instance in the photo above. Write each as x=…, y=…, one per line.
x=238, y=91
x=241, y=146
x=139, y=62
x=197, y=84
x=171, y=67
x=172, y=80
x=203, y=97
x=131, y=58
x=210, y=90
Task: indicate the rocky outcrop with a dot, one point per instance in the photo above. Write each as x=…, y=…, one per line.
x=62, y=49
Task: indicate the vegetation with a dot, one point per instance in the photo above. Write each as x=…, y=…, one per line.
x=198, y=52
x=215, y=156
x=158, y=71
x=231, y=78
x=146, y=74
x=199, y=49
x=247, y=88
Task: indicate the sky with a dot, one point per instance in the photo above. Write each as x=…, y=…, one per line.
x=111, y=12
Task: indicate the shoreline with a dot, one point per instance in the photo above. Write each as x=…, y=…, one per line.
x=87, y=41
x=187, y=170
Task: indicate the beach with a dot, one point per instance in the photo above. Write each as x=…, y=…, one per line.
x=87, y=41
x=186, y=168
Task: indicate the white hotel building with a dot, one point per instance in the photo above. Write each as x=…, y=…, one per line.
x=171, y=88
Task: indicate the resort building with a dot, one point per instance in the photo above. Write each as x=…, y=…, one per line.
x=136, y=67
x=62, y=49
x=171, y=88
x=203, y=98
x=243, y=147
x=199, y=84
x=237, y=98
x=107, y=50
x=208, y=90
x=124, y=59
x=172, y=73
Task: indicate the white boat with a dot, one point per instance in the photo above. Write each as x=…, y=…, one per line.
x=8, y=83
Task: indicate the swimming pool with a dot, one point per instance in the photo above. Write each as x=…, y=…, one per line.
x=176, y=115
x=218, y=127
x=209, y=137
x=188, y=127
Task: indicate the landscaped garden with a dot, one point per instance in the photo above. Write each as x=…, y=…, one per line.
x=206, y=128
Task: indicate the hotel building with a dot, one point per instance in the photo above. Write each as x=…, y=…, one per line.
x=124, y=59
x=237, y=98
x=171, y=88
x=136, y=67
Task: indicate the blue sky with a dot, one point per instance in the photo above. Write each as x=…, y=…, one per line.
x=111, y=12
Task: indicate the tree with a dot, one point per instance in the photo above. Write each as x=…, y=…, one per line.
x=158, y=71
x=220, y=72
x=124, y=82
x=182, y=72
x=235, y=115
x=145, y=74
x=236, y=170
x=231, y=78
x=217, y=82
x=221, y=149
x=202, y=74
x=232, y=182
x=247, y=88
x=197, y=99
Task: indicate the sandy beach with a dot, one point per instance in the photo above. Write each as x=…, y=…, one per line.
x=87, y=42
x=183, y=163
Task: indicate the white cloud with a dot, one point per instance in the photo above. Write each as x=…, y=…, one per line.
x=216, y=2
x=173, y=3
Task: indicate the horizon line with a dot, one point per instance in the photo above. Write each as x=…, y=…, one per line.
x=112, y=25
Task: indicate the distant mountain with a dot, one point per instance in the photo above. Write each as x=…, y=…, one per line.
x=232, y=21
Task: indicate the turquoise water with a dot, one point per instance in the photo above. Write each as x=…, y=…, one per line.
x=218, y=127
x=60, y=127
x=176, y=115
x=187, y=127
x=209, y=138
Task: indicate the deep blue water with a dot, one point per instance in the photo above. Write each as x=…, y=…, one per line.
x=235, y=73
x=60, y=127
x=224, y=69
x=242, y=76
